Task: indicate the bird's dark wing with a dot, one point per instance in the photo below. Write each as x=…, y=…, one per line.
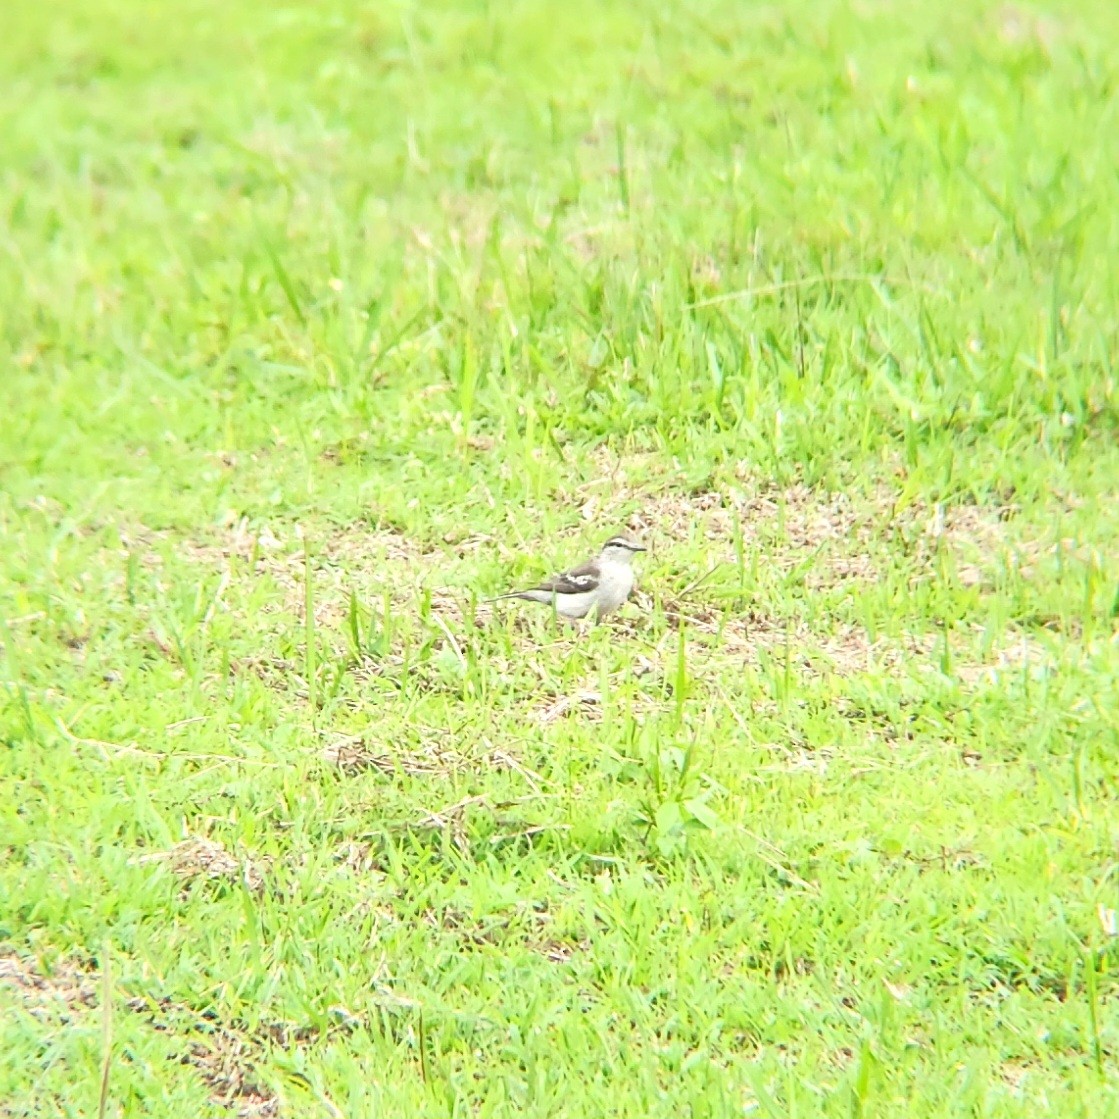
x=578, y=580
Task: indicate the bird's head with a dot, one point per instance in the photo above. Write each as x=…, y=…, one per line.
x=620, y=549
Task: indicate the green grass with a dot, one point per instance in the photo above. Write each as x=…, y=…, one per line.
x=321, y=324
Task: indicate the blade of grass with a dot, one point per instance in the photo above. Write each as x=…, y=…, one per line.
x=106, y=1029
x=310, y=666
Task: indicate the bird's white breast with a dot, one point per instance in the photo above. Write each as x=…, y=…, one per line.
x=615, y=582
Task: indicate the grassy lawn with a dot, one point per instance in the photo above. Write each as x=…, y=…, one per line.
x=321, y=324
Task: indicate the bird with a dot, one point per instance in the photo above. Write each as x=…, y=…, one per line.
x=601, y=584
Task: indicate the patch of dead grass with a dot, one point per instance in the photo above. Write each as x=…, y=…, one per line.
x=837, y=539
x=975, y=538
x=755, y=637
x=227, y=1062
x=227, y=1058
x=848, y=650
x=1022, y=654
x=1013, y=1074
x=345, y=556
x=70, y=985
x=199, y=858
x=353, y=754
x=832, y=540
x=559, y=951
x=586, y=700
x=524, y=925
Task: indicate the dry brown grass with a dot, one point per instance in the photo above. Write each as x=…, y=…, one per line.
x=341, y=558
x=226, y=1058
x=753, y=637
x=833, y=540
x=199, y=858
x=227, y=1061
x=71, y=984
x=524, y=925
x=353, y=754
x=839, y=539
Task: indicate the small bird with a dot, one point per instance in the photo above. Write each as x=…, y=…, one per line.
x=602, y=584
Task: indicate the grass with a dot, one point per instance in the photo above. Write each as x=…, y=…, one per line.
x=322, y=324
